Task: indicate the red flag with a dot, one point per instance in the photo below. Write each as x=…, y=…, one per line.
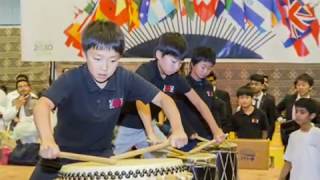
x=108, y=8
x=205, y=11
x=301, y=48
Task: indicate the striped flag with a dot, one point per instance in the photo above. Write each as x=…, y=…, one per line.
x=273, y=6
x=220, y=8
x=159, y=10
x=255, y=12
x=235, y=9
x=300, y=21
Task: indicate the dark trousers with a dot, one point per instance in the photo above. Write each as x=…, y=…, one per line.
x=48, y=169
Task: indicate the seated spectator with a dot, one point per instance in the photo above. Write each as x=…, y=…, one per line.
x=20, y=111
x=14, y=94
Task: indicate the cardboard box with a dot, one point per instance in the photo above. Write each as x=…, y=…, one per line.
x=252, y=153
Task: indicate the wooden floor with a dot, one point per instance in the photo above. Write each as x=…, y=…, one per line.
x=24, y=172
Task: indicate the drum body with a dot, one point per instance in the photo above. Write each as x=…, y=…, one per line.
x=201, y=165
x=226, y=161
x=144, y=169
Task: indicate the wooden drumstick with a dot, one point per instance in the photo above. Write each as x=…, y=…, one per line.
x=176, y=151
x=201, y=138
x=178, y=156
x=204, y=145
x=82, y=157
x=134, y=153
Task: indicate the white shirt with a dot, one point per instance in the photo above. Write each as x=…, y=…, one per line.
x=25, y=130
x=4, y=122
x=3, y=104
x=14, y=94
x=11, y=110
x=3, y=98
x=303, y=152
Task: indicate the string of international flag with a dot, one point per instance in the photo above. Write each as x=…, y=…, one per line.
x=296, y=16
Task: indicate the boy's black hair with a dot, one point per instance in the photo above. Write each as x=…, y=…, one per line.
x=103, y=35
x=245, y=90
x=205, y=54
x=22, y=77
x=304, y=77
x=174, y=44
x=257, y=77
x=309, y=104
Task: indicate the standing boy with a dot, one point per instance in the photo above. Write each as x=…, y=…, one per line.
x=302, y=156
x=163, y=73
x=262, y=101
x=89, y=100
x=249, y=122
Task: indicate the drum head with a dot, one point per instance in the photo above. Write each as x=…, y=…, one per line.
x=124, y=169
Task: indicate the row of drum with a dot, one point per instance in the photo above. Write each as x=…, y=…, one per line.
x=213, y=164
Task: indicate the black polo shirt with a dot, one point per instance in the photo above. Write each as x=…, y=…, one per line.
x=204, y=89
x=249, y=126
x=174, y=85
x=87, y=114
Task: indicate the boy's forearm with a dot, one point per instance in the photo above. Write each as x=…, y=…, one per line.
x=285, y=170
x=145, y=115
x=41, y=114
x=170, y=110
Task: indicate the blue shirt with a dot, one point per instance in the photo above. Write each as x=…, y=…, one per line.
x=88, y=114
x=174, y=85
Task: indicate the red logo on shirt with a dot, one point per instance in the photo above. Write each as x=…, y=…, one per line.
x=210, y=93
x=254, y=120
x=168, y=88
x=115, y=103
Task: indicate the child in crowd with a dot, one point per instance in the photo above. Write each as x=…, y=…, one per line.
x=249, y=122
x=302, y=156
